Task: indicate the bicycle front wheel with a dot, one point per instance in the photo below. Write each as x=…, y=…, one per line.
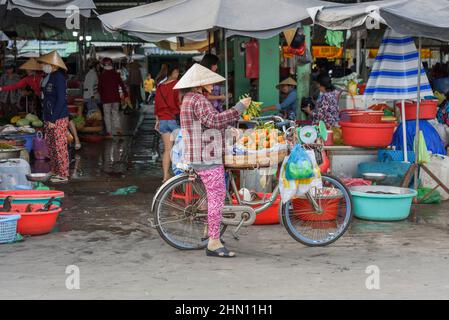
x=180, y=214
x=322, y=217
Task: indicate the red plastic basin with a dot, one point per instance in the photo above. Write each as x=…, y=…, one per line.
x=427, y=110
x=31, y=194
x=270, y=215
x=367, y=134
x=91, y=138
x=35, y=223
x=329, y=206
x=345, y=115
x=367, y=117
x=73, y=109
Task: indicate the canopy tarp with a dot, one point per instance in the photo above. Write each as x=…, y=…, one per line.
x=418, y=18
x=57, y=8
x=193, y=18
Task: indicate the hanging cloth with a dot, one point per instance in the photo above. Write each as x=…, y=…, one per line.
x=252, y=59
x=335, y=38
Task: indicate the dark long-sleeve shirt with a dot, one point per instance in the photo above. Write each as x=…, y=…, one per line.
x=109, y=83
x=54, y=97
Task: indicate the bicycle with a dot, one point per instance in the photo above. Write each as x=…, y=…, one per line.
x=318, y=218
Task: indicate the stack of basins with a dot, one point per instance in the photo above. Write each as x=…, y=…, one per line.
x=366, y=129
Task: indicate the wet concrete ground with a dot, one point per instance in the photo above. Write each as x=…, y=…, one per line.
x=120, y=256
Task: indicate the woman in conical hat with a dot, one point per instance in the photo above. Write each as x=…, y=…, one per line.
x=55, y=114
x=33, y=80
x=289, y=98
x=198, y=116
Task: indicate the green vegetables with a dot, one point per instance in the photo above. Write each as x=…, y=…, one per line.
x=31, y=117
x=37, y=123
x=253, y=111
x=269, y=126
x=23, y=122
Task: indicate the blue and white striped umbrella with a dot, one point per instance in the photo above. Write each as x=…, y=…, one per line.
x=395, y=72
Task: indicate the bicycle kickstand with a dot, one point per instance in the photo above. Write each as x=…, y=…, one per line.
x=237, y=229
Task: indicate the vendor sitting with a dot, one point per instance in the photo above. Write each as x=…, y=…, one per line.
x=326, y=108
x=289, y=102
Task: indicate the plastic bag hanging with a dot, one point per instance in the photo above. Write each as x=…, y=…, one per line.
x=299, y=165
x=423, y=154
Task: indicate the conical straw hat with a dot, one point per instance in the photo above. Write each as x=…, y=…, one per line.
x=31, y=64
x=289, y=35
x=198, y=76
x=54, y=59
x=289, y=81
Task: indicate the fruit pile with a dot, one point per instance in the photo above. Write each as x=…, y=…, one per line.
x=253, y=111
x=29, y=120
x=264, y=138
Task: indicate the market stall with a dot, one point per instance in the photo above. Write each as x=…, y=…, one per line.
x=408, y=18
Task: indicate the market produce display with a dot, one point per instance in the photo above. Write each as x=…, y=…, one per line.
x=261, y=138
x=79, y=122
x=253, y=111
x=92, y=123
x=29, y=120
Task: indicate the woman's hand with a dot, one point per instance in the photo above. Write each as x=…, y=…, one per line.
x=51, y=125
x=246, y=101
x=157, y=126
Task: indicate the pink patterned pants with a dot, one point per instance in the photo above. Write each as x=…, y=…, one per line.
x=56, y=139
x=214, y=182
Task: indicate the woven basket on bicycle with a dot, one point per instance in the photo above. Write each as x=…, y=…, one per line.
x=254, y=161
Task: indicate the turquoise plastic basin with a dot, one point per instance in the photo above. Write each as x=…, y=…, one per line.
x=393, y=205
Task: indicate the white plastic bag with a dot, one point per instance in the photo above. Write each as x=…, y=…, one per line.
x=177, y=164
x=287, y=188
x=305, y=185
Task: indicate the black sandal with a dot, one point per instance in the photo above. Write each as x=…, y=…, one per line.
x=219, y=253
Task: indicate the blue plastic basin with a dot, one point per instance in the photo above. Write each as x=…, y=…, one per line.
x=386, y=204
x=28, y=137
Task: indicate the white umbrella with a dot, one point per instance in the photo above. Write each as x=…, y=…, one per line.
x=417, y=18
x=57, y=8
x=395, y=74
x=193, y=19
x=114, y=55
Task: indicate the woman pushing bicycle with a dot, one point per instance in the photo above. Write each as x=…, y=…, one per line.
x=198, y=116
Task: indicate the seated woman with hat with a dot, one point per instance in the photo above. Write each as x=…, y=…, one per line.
x=289, y=103
x=201, y=126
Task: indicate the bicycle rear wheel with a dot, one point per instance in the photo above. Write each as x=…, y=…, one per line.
x=321, y=224
x=180, y=214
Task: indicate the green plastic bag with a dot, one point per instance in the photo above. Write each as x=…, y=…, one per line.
x=433, y=198
x=423, y=154
x=124, y=191
x=299, y=165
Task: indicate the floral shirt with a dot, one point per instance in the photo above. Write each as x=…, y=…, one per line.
x=326, y=109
